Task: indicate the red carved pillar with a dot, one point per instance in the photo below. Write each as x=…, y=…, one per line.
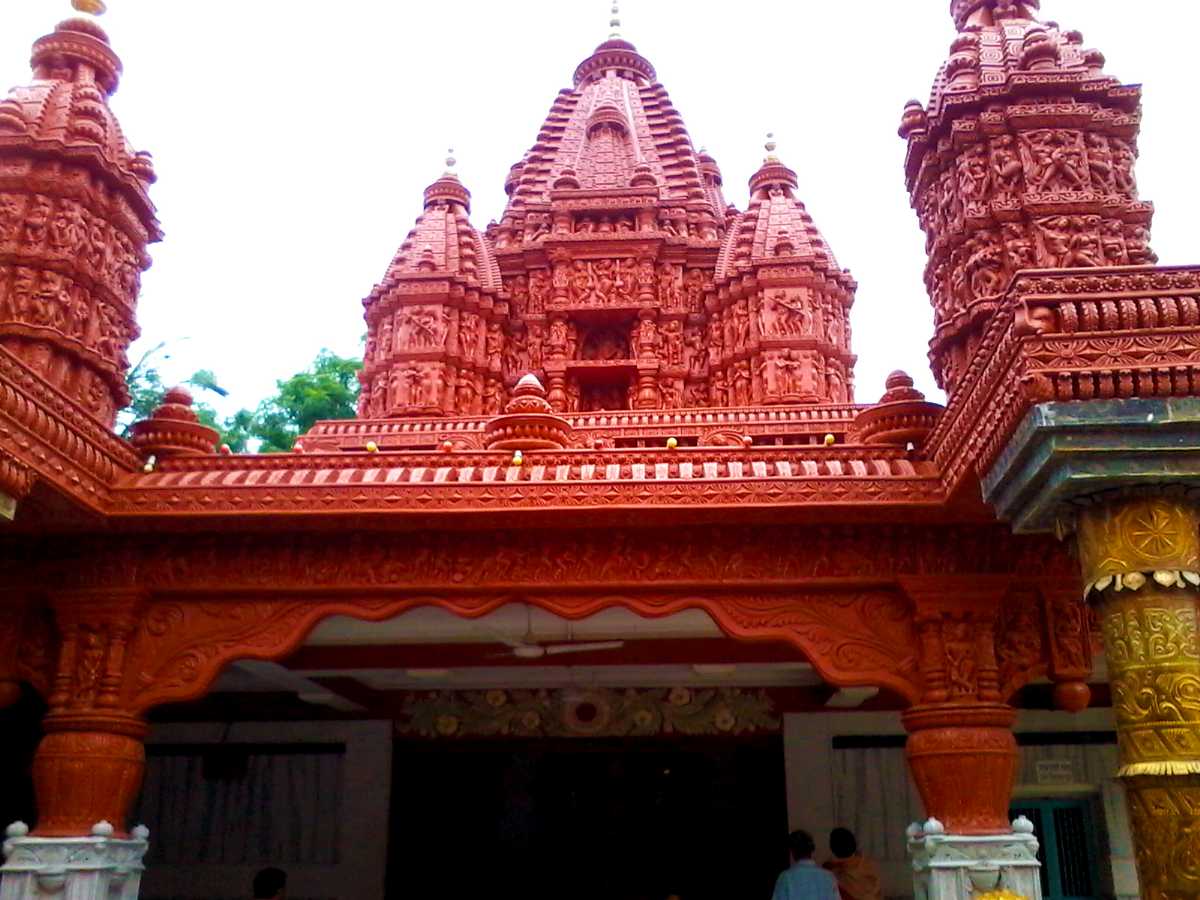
x=89, y=766
x=963, y=758
x=961, y=748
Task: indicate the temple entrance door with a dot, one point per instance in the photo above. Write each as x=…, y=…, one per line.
x=1066, y=833
x=602, y=819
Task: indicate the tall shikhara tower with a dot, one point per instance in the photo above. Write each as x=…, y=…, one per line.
x=617, y=275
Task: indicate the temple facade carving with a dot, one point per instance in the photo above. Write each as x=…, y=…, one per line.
x=628, y=394
x=1023, y=159
x=74, y=223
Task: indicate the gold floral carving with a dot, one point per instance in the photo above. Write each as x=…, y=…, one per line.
x=1120, y=544
x=1165, y=813
x=1154, y=666
x=595, y=712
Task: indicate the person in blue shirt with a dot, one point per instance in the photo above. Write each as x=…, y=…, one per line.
x=804, y=880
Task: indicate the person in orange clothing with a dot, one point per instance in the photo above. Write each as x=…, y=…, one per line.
x=857, y=876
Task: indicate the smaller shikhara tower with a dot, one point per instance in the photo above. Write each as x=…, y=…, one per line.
x=617, y=274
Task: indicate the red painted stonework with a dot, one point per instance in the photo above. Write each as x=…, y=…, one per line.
x=75, y=220
x=689, y=442
x=1023, y=159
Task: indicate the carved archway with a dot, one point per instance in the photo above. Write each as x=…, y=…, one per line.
x=180, y=646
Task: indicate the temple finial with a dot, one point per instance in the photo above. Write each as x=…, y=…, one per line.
x=450, y=161
x=615, y=22
x=91, y=7
x=770, y=147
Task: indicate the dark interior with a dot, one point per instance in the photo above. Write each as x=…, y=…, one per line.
x=611, y=819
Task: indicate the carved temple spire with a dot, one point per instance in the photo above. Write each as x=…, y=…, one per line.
x=1023, y=159
x=433, y=329
x=617, y=275
x=75, y=219
x=786, y=338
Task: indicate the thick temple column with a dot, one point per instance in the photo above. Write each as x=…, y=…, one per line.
x=88, y=768
x=961, y=750
x=1140, y=557
x=1121, y=477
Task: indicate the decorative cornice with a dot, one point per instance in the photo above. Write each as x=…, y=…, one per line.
x=48, y=433
x=1077, y=335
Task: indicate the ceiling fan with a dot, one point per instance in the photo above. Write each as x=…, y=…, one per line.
x=528, y=648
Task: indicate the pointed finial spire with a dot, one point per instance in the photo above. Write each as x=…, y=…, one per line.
x=91, y=7
x=451, y=162
x=615, y=22
x=770, y=147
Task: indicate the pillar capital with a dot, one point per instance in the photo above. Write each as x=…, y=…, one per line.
x=1130, y=538
x=956, y=620
x=1063, y=456
x=94, y=626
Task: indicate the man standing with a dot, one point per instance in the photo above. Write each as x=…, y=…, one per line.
x=857, y=876
x=804, y=880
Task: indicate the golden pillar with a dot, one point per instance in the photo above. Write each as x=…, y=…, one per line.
x=1141, y=565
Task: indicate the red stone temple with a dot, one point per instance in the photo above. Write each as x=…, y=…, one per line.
x=609, y=489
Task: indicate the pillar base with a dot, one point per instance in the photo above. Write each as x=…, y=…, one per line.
x=97, y=867
x=967, y=867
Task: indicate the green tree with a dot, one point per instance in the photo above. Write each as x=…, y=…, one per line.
x=328, y=389
x=146, y=390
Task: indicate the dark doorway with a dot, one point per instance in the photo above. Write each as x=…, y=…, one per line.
x=588, y=819
x=21, y=727
x=1067, y=847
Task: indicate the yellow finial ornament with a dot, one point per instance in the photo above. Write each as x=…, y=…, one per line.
x=91, y=7
x=770, y=147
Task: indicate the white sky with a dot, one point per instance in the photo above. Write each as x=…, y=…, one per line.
x=293, y=140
